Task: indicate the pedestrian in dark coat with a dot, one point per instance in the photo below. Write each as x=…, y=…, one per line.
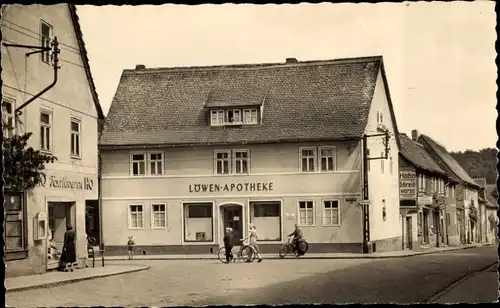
x=68, y=255
x=228, y=244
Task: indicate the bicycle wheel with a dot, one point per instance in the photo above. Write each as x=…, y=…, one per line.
x=248, y=254
x=221, y=254
x=283, y=251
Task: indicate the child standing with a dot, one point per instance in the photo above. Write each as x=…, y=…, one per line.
x=130, y=246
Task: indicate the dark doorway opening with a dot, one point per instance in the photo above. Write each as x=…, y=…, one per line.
x=232, y=218
x=409, y=235
x=92, y=220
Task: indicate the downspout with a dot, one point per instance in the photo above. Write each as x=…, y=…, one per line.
x=56, y=66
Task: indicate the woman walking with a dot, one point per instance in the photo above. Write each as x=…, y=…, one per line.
x=69, y=250
x=253, y=236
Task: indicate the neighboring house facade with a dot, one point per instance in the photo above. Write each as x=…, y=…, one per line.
x=64, y=123
x=488, y=196
x=424, y=197
x=466, y=191
x=189, y=151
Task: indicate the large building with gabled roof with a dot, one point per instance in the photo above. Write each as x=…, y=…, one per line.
x=65, y=121
x=188, y=151
x=466, y=191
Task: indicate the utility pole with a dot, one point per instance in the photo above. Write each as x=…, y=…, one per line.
x=55, y=64
x=365, y=203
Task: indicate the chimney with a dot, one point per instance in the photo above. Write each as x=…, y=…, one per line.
x=291, y=60
x=140, y=67
x=414, y=135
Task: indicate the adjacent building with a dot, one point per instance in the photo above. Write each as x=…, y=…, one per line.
x=424, y=197
x=487, y=213
x=491, y=197
x=188, y=151
x=64, y=123
x=465, y=192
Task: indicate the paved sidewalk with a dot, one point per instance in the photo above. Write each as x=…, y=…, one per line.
x=481, y=287
x=377, y=255
x=54, y=278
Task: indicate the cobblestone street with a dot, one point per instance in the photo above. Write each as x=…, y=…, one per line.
x=195, y=282
x=175, y=282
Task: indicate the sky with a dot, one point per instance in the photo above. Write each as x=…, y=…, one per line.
x=439, y=57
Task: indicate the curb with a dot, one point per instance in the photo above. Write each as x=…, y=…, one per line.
x=439, y=294
x=275, y=257
x=52, y=284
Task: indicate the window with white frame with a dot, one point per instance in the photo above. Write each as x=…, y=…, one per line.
x=136, y=216
x=233, y=116
x=217, y=117
x=138, y=164
x=421, y=182
x=382, y=163
x=380, y=117
x=267, y=216
x=241, y=158
x=250, y=116
x=45, y=37
x=8, y=117
x=15, y=236
x=307, y=159
x=156, y=163
x=327, y=158
x=222, y=162
x=75, y=137
x=198, y=222
x=453, y=191
x=45, y=131
x=391, y=165
x=159, y=215
x=331, y=212
x=306, y=213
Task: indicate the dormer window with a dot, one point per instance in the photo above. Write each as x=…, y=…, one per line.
x=222, y=117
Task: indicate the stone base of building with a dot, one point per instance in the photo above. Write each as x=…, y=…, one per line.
x=213, y=248
x=454, y=240
x=388, y=244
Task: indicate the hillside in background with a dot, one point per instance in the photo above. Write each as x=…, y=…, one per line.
x=479, y=164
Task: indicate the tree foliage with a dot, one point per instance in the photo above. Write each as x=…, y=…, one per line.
x=479, y=164
x=23, y=166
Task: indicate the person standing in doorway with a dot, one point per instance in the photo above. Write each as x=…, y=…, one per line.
x=253, y=237
x=228, y=244
x=69, y=249
x=130, y=246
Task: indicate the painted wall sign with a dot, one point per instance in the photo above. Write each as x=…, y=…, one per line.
x=425, y=200
x=351, y=199
x=407, y=185
x=258, y=186
x=290, y=216
x=64, y=182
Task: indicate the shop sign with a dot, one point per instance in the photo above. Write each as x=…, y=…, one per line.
x=290, y=216
x=64, y=182
x=257, y=186
x=407, y=185
x=425, y=200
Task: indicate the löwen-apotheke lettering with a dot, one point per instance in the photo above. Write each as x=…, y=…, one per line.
x=258, y=186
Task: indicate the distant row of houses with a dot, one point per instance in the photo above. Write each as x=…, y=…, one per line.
x=188, y=151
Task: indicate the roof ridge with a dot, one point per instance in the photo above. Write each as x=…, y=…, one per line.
x=251, y=66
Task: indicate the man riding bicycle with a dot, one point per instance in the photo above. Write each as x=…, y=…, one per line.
x=297, y=236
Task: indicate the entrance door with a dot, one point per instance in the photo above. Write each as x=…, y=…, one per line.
x=409, y=235
x=426, y=226
x=59, y=217
x=233, y=219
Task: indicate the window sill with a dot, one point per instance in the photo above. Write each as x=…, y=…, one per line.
x=135, y=228
x=159, y=228
x=76, y=157
x=331, y=225
x=313, y=225
x=46, y=152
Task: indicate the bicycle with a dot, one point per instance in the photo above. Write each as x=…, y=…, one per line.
x=245, y=252
x=91, y=241
x=286, y=248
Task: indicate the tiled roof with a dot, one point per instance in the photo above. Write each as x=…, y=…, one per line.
x=455, y=168
x=488, y=190
x=85, y=59
x=235, y=97
x=316, y=100
x=480, y=181
x=416, y=154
